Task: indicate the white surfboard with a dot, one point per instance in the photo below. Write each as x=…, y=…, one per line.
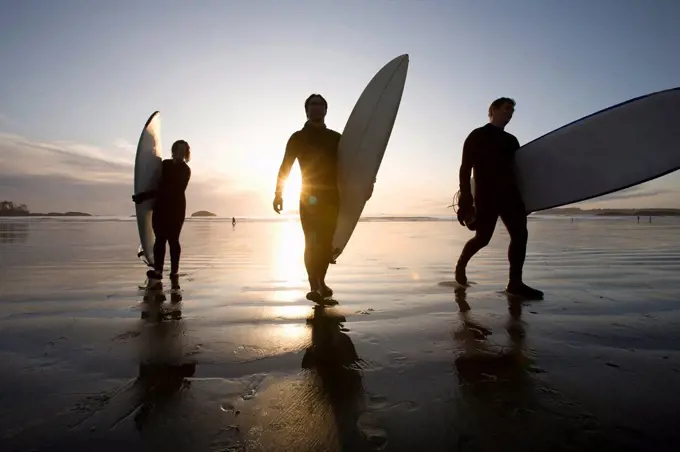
x=363, y=144
x=613, y=149
x=148, y=164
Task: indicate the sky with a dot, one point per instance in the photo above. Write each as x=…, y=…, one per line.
x=79, y=78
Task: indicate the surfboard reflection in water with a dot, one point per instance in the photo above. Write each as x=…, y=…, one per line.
x=163, y=368
x=336, y=368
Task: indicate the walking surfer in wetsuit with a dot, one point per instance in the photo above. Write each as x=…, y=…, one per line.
x=169, y=209
x=316, y=149
x=490, y=151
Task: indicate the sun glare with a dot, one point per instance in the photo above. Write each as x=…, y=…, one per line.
x=288, y=269
x=291, y=193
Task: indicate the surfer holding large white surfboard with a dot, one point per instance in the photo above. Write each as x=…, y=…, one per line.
x=338, y=171
x=166, y=200
x=490, y=151
x=315, y=147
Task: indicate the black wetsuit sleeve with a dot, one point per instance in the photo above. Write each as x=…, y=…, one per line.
x=287, y=163
x=162, y=181
x=174, y=180
x=468, y=162
x=185, y=182
x=513, y=173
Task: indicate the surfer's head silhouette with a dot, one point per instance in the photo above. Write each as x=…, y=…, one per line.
x=316, y=108
x=501, y=111
x=181, y=151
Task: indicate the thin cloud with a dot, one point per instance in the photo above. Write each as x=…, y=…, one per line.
x=122, y=143
x=636, y=192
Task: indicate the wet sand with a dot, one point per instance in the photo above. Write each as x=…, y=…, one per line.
x=238, y=360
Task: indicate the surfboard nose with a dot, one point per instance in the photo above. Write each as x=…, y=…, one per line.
x=398, y=60
x=404, y=57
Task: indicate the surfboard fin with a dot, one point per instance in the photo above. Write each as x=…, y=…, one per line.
x=336, y=253
x=142, y=257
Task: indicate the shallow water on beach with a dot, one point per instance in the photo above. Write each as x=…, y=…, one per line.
x=239, y=360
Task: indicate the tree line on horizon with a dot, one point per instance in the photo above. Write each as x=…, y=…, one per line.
x=9, y=208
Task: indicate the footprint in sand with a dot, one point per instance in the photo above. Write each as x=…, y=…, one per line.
x=126, y=335
x=381, y=403
x=228, y=407
x=397, y=359
x=249, y=395
x=375, y=436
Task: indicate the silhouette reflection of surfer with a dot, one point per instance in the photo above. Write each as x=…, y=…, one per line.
x=481, y=358
x=499, y=402
x=503, y=403
x=163, y=370
x=335, y=363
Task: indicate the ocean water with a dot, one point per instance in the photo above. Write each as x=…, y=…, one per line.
x=239, y=360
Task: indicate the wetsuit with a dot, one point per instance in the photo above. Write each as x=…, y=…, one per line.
x=169, y=212
x=316, y=149
x=490, y=151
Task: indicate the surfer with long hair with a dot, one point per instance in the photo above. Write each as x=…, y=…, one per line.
x=169, y=210
x=315, y=147
x=490, y=151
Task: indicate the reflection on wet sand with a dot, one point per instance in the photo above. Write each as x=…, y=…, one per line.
x=492, y=373
x=503, y=400
x=163, y=369
x=484, y=360
x=336, y=366
x=13, y=232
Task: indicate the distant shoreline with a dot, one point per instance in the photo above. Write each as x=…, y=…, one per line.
x=560, y=212
x=50, y=214
x=648, y=212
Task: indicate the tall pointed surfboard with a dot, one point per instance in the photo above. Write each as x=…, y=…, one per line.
x=363, y=143
x=148, y=164
x=610, y=150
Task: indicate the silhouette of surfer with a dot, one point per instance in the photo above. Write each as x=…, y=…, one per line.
x=490, y=150
x=169, y=209
x=315, y=147
x=233, y=221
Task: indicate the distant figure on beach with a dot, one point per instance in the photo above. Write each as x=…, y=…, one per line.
x=316, y=149
x=638, y=218
x=169, y=209
x=490, y=150
x=233, y=221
